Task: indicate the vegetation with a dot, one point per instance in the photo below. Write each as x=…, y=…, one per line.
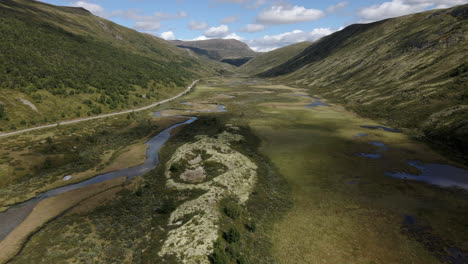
x=33, y=166
x=315, y=200
x=314, y=211
x=67, y=58
x=274, y=58
x=229, y=51
x=408, y=71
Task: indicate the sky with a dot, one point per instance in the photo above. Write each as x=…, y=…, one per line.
x=263, y=24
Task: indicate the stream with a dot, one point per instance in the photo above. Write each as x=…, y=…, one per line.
x=16, y=214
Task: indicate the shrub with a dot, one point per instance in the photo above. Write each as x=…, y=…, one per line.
x=251, y=227
x=231, y=209
x=232, y=235
x=219, y=255
x=166, y=207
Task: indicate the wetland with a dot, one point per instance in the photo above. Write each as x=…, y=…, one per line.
x=263, y=178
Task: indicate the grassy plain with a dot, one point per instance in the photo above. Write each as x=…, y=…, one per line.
x=315, y=201
x=345, y=210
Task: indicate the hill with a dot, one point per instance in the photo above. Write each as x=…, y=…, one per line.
x=410, y=71
x=64, y=62
x=274, y=58
x=230, y=51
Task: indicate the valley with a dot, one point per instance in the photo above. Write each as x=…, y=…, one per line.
x=313, y=191
x=117, y=146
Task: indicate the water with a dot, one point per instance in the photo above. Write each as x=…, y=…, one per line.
x=248, y=83
x=409, y=220
x=360, y=135
x=303, y=95
x=436, y=174
x=317, y=103
x=16, y=214
x=450, y=254
x=369, y=155
x=377, y=143
x=383, y=128
x=380, y=145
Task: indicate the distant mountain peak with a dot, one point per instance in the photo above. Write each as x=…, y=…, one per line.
x=231, y=51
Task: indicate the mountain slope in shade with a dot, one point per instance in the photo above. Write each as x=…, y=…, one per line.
x=269, y=60
x=68, y=59
x=230, y=51
x=411, y=71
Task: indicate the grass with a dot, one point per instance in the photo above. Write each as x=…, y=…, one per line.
x=408, y=71
x=303, y=209
x=336, y=222
x=38, y=161
x=83, y=65
x=46, y=211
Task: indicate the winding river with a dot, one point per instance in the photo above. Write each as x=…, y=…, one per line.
x=16, y=214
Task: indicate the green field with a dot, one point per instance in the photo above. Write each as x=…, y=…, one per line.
x=314, y=201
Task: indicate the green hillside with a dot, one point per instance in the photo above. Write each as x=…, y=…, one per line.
x=274, y=58
x=229, y=51
x=63, y=62
x=410, y=71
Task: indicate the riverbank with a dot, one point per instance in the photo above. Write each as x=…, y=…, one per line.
x=318, y=199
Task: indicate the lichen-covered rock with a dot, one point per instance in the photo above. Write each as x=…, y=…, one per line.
x=192, y=241
x=193, y=176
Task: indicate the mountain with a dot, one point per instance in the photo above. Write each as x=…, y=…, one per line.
x=230, y=51
x=64, y=62
x=410, y=71
x=272, y=59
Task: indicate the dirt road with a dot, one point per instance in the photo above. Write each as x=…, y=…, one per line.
x=189, y=88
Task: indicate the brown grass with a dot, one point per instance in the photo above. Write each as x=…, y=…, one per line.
x=46, y=211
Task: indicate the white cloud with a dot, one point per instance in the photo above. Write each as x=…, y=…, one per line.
x=250, y=28
x=268, y=42
x=396, y=8
x=195, y=25
x=228, y=20
x=200, y=38
x=337, y=7
x=169, y=35
x=217, y=32
x=233, y=36
x=227, y=36
x=288, y=14
x=93, y=8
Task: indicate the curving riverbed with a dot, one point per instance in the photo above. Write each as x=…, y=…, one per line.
x=16, y=214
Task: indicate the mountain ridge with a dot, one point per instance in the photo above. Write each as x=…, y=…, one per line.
x=69, y=59
x=229, y=51
x=410, y=71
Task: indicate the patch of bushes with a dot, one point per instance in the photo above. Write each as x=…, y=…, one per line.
x=232, y=235
x=231, y=208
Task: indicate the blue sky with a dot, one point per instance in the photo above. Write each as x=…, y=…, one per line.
x=263, y=24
